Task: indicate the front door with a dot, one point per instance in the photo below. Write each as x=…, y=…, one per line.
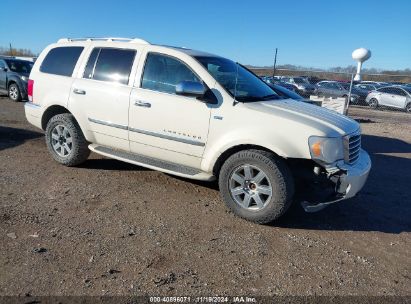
x=165, y=125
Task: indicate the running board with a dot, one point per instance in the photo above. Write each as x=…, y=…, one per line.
x=152, y=163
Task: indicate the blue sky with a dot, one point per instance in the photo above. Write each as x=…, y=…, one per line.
x=308, y=33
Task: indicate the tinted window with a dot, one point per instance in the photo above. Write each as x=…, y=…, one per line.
x=384, y=90
x=114, y=65
x=163, y=73
x=2, y=64
x=61, y=60
x=88, y=72
x=391, y=90
x=19, y=66
x=398, y=91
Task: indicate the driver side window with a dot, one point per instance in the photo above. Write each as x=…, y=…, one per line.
x=162, y=73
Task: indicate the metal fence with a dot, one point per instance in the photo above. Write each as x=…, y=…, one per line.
x=386, y=92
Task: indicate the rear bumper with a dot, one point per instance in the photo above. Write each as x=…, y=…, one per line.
x=33, y=114
x=348, y=181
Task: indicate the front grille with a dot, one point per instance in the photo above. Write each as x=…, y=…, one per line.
x=352, y=147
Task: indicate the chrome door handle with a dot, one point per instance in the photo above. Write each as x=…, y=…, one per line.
x=144, y=104
x=78, y=91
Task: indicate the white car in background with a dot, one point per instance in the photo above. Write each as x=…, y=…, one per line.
x=398, y=97
x=195, y=115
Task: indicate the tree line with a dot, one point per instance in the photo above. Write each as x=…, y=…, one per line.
x=7, y=51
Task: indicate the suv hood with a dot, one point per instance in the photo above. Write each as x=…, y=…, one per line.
x=322, y=119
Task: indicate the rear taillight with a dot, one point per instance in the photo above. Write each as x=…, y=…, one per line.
x=30, y=87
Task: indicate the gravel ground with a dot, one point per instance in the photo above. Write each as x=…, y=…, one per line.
x=110, y=228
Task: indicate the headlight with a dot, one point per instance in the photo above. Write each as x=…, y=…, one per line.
x=24, y=78
x=326, y=149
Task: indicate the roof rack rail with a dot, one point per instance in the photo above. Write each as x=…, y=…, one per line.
x=119, y=39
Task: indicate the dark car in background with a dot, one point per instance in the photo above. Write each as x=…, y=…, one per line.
x=278, y=82
x=285, y=93
x=302, y=86
x=14, y=75
x=361, y=93
x=368, y=86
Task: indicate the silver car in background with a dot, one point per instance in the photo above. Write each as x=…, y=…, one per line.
x=392, y=96
x=329, y=88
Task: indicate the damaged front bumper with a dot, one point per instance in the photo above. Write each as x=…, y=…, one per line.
x=348, y=181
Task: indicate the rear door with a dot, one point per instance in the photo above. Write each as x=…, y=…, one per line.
x=383, y=96
x=397, y=98
x=100, y=95
x=53, y=77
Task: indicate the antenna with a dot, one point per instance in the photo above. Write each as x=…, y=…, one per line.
x=360, y=55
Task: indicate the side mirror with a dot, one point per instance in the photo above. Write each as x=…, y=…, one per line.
x=4, y=69
x=190, y=88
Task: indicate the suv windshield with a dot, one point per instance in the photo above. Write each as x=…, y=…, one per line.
x=246, y=87
x=19, y=66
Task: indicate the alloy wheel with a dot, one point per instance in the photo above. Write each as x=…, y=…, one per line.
x=61, y=140
x=13, y=92
x=250, y=187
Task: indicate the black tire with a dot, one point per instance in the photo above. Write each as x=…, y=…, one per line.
x=79, y=151
x=14, y=92
x=278, y=174
x=373, y=103
x=408, y=108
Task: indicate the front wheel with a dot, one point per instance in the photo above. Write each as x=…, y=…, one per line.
x=65, y=140
x=408, y=108
x=256, y=185
x=14, y=92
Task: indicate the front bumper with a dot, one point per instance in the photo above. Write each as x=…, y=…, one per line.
x=33, y=114
x=348, y=180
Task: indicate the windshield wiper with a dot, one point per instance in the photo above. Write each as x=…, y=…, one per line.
x=270, y=96
x=257, y=98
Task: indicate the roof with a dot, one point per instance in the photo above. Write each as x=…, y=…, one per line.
x=112, y=39
x=137, y=41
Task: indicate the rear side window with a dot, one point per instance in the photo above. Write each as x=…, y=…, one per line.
x=113, y=65
x=61, y=60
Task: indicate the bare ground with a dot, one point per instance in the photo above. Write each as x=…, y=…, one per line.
x=110, y=228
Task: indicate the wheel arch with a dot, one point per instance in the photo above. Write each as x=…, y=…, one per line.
x=234, y=149
x=10, y=82
x=50, y=112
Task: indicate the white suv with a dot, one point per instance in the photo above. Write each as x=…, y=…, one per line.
x=195, y=115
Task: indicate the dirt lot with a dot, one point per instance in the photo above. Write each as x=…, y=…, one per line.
x=110, y=228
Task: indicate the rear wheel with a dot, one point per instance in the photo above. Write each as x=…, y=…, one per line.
x=373, y=103
x=408, y=108
x=256, y=185
x=14, y=92
x=65, y=140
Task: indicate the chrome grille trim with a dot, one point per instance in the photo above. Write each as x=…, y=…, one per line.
x=352, y=147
